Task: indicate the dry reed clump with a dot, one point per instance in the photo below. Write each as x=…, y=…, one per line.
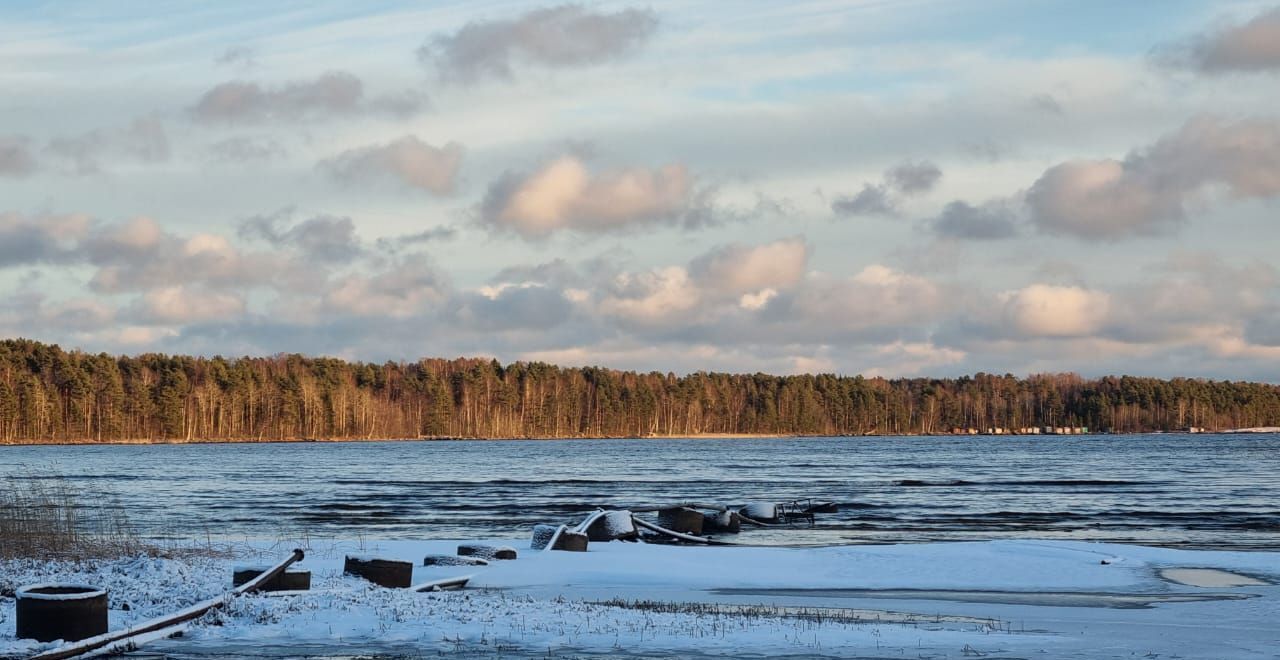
x=42, y=517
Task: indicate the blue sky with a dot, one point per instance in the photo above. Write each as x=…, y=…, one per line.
x=889, y=188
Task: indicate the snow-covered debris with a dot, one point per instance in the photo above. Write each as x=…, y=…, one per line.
x=652, y=600
x=761, y=511
x=486, y=552
x=608, y=526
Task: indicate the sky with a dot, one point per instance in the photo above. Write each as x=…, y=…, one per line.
x=878, y=187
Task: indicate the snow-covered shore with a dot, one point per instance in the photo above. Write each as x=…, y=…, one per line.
x=1002, y=598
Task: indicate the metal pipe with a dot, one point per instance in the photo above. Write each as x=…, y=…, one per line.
x=677, y=535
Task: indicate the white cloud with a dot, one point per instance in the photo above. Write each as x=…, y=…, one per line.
x=1148, y=191
x=179, y=305
x=562, y=36
x=565, y=194
x=408, y=160
x=738, y=269
x=1251, y=46
x=1044, y=310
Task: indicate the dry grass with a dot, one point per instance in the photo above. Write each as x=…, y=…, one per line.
x=42, y=517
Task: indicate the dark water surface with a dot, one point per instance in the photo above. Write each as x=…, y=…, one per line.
x=1186, y=490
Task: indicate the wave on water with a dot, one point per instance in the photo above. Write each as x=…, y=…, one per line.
x=920, y=483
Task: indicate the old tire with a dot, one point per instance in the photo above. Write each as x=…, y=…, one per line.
x=683, y=520
x=70, y=612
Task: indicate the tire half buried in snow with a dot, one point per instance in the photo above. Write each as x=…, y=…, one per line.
x=70, y=612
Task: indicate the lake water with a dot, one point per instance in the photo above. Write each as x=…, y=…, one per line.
x=1184, y=490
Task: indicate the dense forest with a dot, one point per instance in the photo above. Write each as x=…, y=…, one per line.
x=49, y=394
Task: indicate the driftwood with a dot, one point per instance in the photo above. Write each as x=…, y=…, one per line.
x=126, y=640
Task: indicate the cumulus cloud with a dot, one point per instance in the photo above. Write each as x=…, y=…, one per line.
x=28, y=240
x=181, y=305
x=408, y=288
x=906, y=179
x=1147, y=192
x=876, y=303
x=555, y=37
x=408, y=160
x=1252, y=46
x=871, y=200
x=738, y=269
x=332, y=94
x=16, y=159
x=565, y=194
x=1044, y=310
x=990, y=221
x=912, y=178
x=525, y=307
x=653, y=296
x=723, y=281
x=139, y=255
x=323, y=237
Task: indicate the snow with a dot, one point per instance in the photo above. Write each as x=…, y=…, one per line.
x=760, y=510
x=925, y=600
x=76, y=591
x=614, y=524
x=1209, y=578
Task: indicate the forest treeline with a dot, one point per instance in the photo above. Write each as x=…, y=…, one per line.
x=50, y=394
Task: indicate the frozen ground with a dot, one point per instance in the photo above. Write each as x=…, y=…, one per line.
x=1001, y=599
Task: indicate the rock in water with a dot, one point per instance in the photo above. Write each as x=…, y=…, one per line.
x=486, y=551
x=681, y=519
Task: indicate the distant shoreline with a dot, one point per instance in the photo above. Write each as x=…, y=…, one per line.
x=691, y=436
